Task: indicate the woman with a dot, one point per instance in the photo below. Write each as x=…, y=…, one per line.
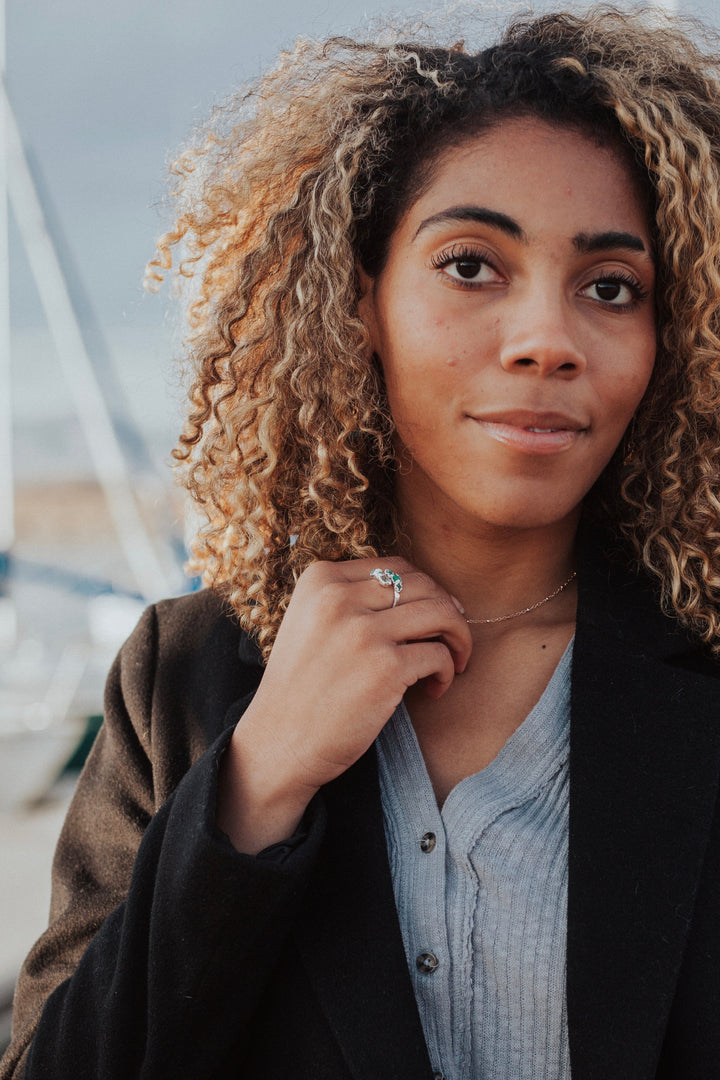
x=455, y=429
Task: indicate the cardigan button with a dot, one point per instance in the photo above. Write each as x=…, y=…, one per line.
x=438, y=1076
x=428, y=842
x=427, y=962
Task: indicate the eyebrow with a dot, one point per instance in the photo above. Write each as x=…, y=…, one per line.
x=588, y=244
x=481, y=215
x=584, y=243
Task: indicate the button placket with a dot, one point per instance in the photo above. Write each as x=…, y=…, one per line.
x=417, y=830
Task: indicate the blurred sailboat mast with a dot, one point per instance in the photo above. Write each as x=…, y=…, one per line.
x=91, y=409
x=7, y=499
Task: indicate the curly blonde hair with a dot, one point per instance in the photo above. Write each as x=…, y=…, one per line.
x=288, y=445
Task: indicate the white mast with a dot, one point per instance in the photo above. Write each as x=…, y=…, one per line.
x=7, y=501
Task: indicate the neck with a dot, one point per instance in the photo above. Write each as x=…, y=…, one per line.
x=492, y=570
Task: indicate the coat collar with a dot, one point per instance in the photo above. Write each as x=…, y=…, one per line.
x=644, y=763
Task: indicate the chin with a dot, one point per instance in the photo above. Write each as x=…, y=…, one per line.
x=528, y=520
x=526, y=510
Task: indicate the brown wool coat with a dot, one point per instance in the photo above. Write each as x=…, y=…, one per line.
x=169, y=955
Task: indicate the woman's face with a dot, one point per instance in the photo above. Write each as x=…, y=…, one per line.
x=514, y=321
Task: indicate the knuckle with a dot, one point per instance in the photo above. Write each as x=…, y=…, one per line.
x=427, y=659
x=424, y=581
x=405, y=564
x=397, y=563
x=442, y=652
x=334, y=597
x=314, y=573
x=446, y=668
x=396, y=670
x=441, y=606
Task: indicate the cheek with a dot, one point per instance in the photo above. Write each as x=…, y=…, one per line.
x=638, y=386
x=419, y=365
x=423, y=402
x=627, y=382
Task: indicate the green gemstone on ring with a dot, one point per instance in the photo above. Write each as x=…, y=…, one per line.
x=389, y=578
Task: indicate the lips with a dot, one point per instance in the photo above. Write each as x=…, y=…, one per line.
x=532, y=432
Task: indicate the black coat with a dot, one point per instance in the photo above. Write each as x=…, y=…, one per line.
x=212, y=964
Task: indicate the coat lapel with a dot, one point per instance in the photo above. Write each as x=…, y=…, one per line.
x=644, y=762
x=350, y=940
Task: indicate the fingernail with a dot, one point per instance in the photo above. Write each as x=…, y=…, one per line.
x=457, y=604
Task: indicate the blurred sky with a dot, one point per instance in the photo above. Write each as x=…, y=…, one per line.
x=104, y=91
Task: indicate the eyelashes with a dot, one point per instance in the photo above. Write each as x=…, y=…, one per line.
x=619, y=279
x=474, y=268
x=463, y=255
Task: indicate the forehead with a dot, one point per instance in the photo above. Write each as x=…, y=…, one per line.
x=547, y=177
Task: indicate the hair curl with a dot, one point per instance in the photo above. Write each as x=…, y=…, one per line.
x=288, y=444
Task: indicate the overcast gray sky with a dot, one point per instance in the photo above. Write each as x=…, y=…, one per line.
x=104, y=89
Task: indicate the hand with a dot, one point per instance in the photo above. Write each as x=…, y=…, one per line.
x=341, y=663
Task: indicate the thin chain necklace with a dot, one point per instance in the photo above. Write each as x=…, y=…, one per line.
x=525, y=610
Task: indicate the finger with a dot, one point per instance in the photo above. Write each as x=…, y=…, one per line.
x=415, y=585
x=343, y=586
x=366, y=571
x=431, y=661
x=333, y=578
x=359, y=569
x=431, y=617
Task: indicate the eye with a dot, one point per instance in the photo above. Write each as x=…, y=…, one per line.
x=466, y=266
x=617, y=290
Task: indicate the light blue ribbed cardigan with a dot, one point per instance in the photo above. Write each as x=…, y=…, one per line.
x=481, y=893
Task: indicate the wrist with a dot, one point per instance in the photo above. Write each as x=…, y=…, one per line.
x=260, y=802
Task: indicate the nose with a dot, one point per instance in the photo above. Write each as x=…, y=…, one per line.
x=538, y=338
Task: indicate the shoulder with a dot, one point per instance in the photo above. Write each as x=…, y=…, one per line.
x=195, y=619
x=179, y=682
x=195, y=611
x=198, y=627
x=190, y=651
x=620, y=610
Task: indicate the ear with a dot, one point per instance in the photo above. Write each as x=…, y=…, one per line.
x=366, y=305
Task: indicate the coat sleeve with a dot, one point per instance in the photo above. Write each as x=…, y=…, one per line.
x=162, y=936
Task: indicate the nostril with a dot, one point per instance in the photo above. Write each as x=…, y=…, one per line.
x=525, y=361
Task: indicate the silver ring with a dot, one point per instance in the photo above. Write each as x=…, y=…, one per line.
x=390, y=579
